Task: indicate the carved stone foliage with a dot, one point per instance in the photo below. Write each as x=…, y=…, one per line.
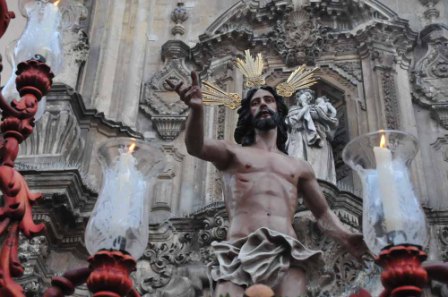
x=171, y=264
x=161, y=104
x=75, y=41
x=163, y=258
x=341, y=273
x=390, y=100
x=442, y=233
x=430, y=74
x=32, y=253
x=298, y=39
x=31, y=249
x=215, y=227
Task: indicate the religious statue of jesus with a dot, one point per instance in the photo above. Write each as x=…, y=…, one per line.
x=262, y=185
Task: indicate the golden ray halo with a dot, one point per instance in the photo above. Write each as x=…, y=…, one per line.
x=213, y=95
x=301, y=78
x=252, y=69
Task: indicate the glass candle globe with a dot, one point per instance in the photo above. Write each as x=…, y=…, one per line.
x=41, y=40
x=120, y=218
x=392, y=214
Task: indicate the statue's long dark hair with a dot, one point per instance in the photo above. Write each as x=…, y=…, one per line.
x=245, y=131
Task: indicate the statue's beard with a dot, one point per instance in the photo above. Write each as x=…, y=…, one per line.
x=266, y=124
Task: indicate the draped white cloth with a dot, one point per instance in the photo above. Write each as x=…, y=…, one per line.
x=262, y=257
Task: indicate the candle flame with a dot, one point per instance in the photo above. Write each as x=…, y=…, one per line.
x=132, y=147
x=56, y=3
x=383, y=141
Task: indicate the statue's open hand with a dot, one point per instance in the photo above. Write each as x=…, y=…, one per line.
x=192, y=95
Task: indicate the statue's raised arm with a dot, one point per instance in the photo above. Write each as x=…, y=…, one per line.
x=206, y=149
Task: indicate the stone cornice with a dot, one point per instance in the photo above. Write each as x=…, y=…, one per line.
x=88, y=116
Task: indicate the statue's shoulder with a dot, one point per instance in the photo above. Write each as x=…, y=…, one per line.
x=303, y=166
x=228, y=145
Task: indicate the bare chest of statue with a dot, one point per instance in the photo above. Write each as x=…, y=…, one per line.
x=260, y=190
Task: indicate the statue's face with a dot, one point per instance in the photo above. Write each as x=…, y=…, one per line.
x=305, y=98
x=260, y=104
x=263, y=109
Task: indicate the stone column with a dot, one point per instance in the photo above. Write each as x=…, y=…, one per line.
x=113, y=76
x=383, y=50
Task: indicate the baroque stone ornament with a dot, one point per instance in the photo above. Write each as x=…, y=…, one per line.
x=430, y=74
x=431, y=12
x=299, y=39
x=161, y=104
x=390, y=101
x=74, y=39
x=179, y=15
x=158, y=269
x=215, y=228
x=443, y=239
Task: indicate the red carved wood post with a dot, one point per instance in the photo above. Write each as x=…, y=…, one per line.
x=110, y=274
x=403, y=274
x=5, y=17
x=34, y=80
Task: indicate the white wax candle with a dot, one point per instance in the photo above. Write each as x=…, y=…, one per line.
x=388, y=190
x=48, y=26
x=125, y=185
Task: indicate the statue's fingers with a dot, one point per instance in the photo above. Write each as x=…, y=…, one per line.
x=170, y=83
x=194, y=78
x=196, y=89
x=184, y=91
x=177, y=88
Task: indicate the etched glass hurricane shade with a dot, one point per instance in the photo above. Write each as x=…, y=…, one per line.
x=120, y=218
x=41, y=40
x=392, y=214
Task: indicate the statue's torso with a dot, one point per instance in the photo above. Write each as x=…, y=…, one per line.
x=260, y=191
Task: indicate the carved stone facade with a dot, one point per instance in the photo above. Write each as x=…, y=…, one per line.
x=383, y=64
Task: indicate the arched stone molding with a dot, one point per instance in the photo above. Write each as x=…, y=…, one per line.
x=378, y=41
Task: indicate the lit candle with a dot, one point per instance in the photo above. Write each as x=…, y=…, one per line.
x=41, y=35
x=119, y=220
x=49, y=22
x=126, y=165
x=388, y=189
